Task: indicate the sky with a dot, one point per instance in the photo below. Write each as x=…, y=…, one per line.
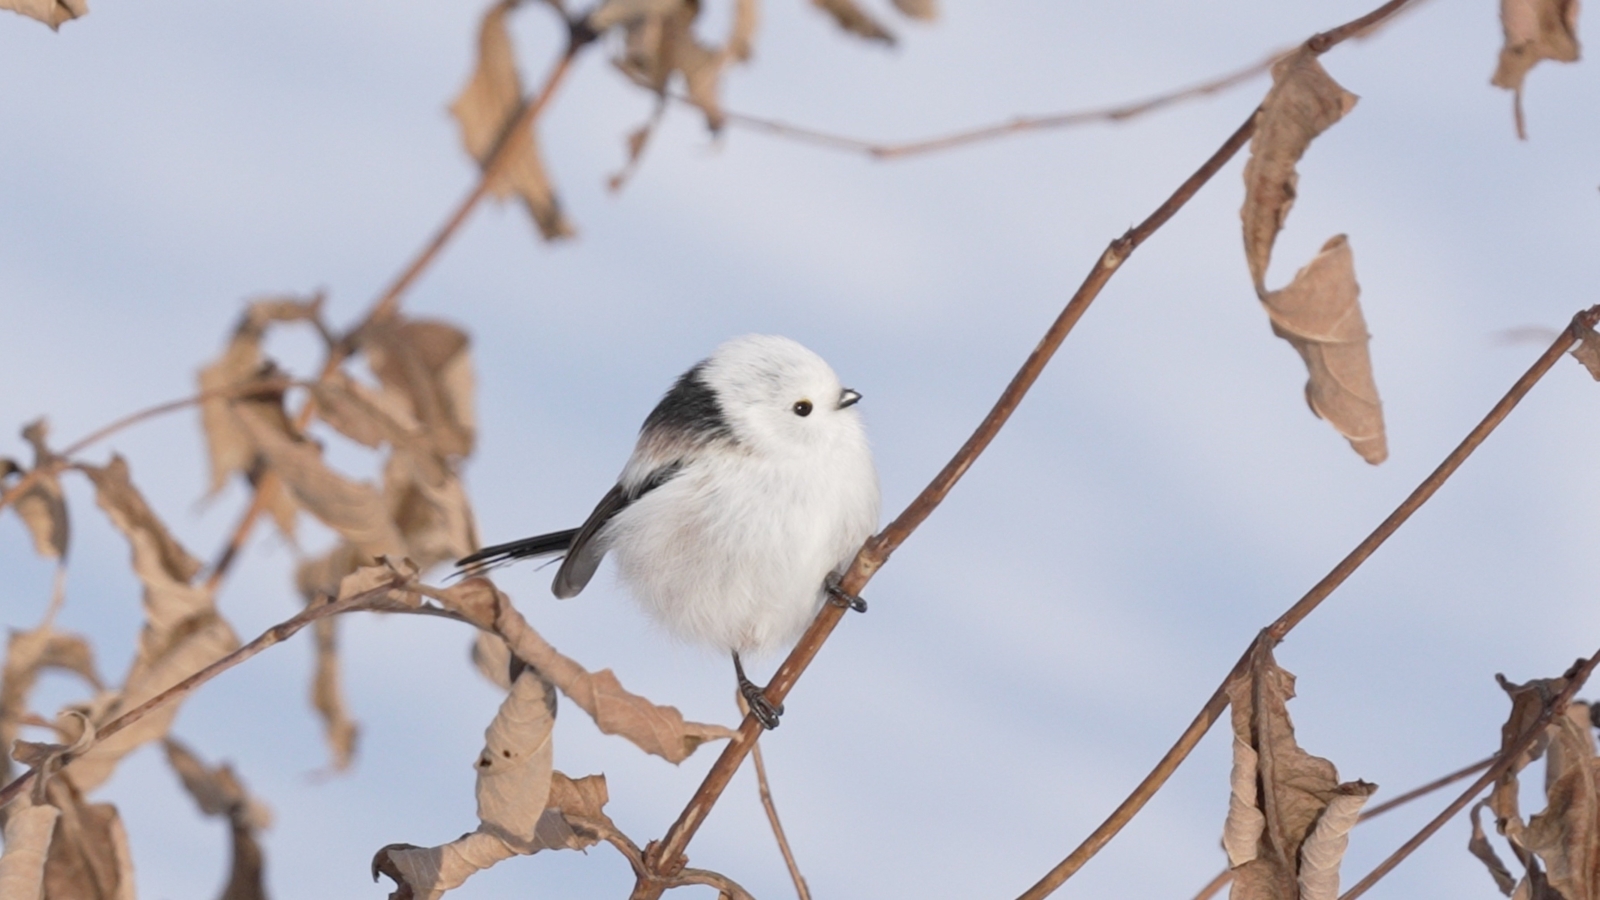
x=1036, y=646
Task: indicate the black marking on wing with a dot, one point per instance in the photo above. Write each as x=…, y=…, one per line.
x=583, y=555
x=583, y=558
x=689, y=410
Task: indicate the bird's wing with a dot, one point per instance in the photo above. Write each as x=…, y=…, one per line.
x=585, y=552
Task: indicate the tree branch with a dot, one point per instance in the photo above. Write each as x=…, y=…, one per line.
x=277, y=634
x=1576, y=676
x=666, y=855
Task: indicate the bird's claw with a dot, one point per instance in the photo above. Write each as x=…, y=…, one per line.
x=839, y=597
x=762, y=708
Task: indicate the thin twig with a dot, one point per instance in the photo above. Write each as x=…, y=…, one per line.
x=1218, y=701
x=1023, y=124
x=777, y=827
x=372, y=598
x=1226, y=875
x=667, y=855
x=63, y=459
x=1015, y=125
x=1504, y=760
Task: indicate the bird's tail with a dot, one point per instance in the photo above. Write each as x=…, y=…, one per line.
x=504, y=554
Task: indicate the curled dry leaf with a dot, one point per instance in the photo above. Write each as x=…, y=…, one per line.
x=1294, y=792
x=89, y=857
x=1323, y=850
x=182, y=632
x=517, y=807
x=1534, y=30
x=1478, y=845
x=515, y=764
x=486, y=107
x=27, y=654
x=1304, y=102
x=852, y=18
x=28, y=830
x=339, y=728
x=42, y=507
x=661, y=42
x=1566, y=835
x=660, y=730
x=1319, y=314
x=218, y=792
x=52, y=13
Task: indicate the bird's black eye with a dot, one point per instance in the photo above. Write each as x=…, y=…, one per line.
x=802, y=408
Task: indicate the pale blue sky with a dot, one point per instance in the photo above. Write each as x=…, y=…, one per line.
x=1031, y=651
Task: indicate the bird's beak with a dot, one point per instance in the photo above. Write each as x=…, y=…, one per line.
x=848, y=398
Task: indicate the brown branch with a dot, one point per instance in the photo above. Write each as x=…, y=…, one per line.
x=800, y=886
x=375, y=598
x=667, y=854
x=1015, y=125
x=1226, y=875
x=1218, y=701
x=1360, y=28
x=1576, y=676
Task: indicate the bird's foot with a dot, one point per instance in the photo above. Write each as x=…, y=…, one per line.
x=839, y=597
x=763, y=709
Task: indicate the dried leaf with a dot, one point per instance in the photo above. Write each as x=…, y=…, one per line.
x=425, y=367
x=1241, y=832
x=492, y=658
x=219, y=793
x=1324, y=849
x=1304, y=102
x=1478, y=845
x=89, y=858
x=27, y=832
x=515, y=764
x=27, y=654
x=612, y=13
x=115, y=493
x=926, y=10
x=353, y=509
x=1319, y=313
x=1588, y=351
x=1295, y=792
x=42, y=506
x=581, y=801
x=229, y=447
x=52, y=13
x=1534, y=30
x=854, y=19
x=1566, y=835
x=338, y=728
x=488, y=104
x=1528, y=702
x=746, y=19
x=426, y=873
x=434, y=516
x=660, y=730
x=182, y=632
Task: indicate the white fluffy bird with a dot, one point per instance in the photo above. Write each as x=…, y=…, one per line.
x=747, y=495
